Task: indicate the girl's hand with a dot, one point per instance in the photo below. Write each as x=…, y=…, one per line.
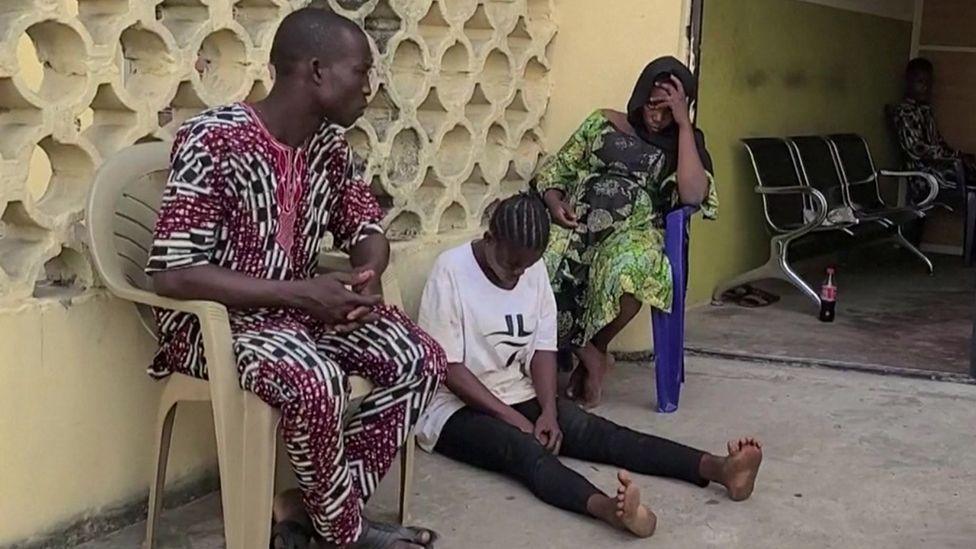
x=547, y=432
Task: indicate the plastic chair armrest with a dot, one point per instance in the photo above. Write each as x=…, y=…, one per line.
x=215, y=327
x=199, y=308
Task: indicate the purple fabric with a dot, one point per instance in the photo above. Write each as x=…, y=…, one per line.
x=669, y=328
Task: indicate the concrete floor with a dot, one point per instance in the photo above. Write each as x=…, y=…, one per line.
x=852, y=460
x=890, y=314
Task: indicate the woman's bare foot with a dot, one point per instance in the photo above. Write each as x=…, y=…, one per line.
x=577, y=380
x=633, y=515
x=597, y=363
x=741, y=467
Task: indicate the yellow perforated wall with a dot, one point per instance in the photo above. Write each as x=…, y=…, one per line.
x=460, y=90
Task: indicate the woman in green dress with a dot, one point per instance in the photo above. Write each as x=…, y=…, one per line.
x=608, y=191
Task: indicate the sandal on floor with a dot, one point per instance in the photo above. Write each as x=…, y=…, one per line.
x=751, y=301
x=749, y=297
x=734, y=295
x=380, y=535
x=768, y=298
x=289, y=534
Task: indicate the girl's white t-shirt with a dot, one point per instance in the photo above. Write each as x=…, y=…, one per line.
x=493, y=332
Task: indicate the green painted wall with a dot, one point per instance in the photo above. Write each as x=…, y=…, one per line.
x=783, y=67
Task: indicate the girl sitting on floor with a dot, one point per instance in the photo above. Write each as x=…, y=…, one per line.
x=490, y=305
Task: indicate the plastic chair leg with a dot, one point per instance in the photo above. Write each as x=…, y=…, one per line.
x=668, y=328
x=246, y=452
x=257, y=477
x=667, y=376
x=678, y=317
x=164, y=433
x=407, y=454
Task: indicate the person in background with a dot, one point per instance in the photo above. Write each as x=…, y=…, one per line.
x=490, y=306
x=921, y=142
x=608, y=191
x=252, y=191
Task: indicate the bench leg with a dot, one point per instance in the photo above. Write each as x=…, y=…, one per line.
x=969, y=232
x=899, y=238
x=777, y=267
x=789, y=275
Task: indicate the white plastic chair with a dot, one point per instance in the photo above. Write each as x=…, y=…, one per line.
x=121, y=214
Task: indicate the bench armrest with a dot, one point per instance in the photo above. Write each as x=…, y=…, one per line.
x=869, y=181
x=929, y=178
x=820, y=204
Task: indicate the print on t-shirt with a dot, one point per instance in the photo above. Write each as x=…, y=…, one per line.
x=514, y=336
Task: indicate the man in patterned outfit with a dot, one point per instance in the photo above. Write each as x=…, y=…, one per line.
x=252, y=191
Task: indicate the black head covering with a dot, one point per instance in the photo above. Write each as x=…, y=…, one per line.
x=667, y=139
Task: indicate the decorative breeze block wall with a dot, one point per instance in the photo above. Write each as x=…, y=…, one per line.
x=453, y=124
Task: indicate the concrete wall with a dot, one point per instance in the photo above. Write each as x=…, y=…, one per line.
x=783, y=67
x=77, y=411
x=77, y=414
x=598, y=54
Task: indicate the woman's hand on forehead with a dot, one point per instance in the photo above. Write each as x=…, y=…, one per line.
x=672, y=86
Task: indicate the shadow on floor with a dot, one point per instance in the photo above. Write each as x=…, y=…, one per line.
x=891, y=315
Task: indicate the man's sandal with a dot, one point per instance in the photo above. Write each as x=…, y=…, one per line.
x=289, y=534
x=380, y=535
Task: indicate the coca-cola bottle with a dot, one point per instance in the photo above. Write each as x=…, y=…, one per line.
x=828, y=297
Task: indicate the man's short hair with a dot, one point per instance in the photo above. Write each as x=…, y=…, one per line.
x=919, y=65
x=307, y=33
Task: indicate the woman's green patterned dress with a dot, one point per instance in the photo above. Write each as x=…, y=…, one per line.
x=621, y=192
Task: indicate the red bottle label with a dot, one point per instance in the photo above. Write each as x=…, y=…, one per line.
x=828, y=293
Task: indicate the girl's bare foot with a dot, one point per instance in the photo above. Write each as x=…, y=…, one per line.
x=741, y=467
x=633, y=515
x=624, y=511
